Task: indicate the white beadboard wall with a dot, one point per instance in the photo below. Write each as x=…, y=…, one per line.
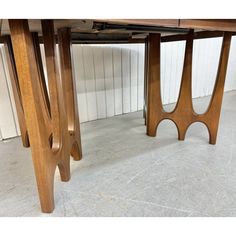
x=109, y=78
x=9, y=126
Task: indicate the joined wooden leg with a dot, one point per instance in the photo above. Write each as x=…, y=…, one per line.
x=212, y=115
x=47, y=120
x=70, y=95
x=44, y=167
x=183, y=115
x=154, y=103
x=38, y=130
x=16, y=90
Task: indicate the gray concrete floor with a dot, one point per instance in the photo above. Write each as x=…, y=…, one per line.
x=126, y=173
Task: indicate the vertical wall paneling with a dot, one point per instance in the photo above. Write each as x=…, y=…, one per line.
x=140, y=76
x=7, y=120
x=231, y=72
x=100, y=82
x=173, y=77
x=179, y=67
x=205, y=63
x=79, y=73
x=117, y=76
x=125, y=57
x=213, y=63
x=204, y=58
x=90, y=82
x=206, y=54
x=195, y=62
x=10, y=91
x=163, y=73
x=172, y=56
x=167, y=76
x=133, y=77
x=109, y=81
x=204, y=67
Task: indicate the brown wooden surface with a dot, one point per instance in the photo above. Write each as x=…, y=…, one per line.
x=184, y=115
x=154, y=103
x=69, y=90
x=197, y=35
x=209, y=24
x=16, y=90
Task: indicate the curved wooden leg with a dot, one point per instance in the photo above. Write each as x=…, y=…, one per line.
x=16, y=90
x=70, y=95
x=184, y=115
x=154, y=103
x=64, y=169
x=181, y=132
x=44, y=167
x=53, y=135
x=212, y=115
x=27, y=71
x=76, y=152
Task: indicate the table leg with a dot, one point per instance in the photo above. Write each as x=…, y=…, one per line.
x=183, y=115
x=50, y=136
x=16, y=90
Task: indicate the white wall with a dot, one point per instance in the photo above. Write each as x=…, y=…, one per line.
x=109, y=78
x=9, y=126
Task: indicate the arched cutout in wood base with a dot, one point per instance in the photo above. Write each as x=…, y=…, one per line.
x=183, y=115
x=53, y=130
x=182, y=131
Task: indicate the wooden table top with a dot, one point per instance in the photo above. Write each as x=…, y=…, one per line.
x=123, y=29
x=87, y=25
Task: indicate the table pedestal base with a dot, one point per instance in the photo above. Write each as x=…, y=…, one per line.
x=183, y=115
x=50, y=123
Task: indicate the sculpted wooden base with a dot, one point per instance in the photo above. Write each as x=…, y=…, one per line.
x=52, y=120
x=183, y=115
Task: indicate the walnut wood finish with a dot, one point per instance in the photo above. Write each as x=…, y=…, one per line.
x=209, y=24
x=16, y=90
x=70, y=95
x=51, y=136
x=183, y=115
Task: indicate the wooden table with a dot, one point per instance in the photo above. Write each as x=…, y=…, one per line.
x=49, y=119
